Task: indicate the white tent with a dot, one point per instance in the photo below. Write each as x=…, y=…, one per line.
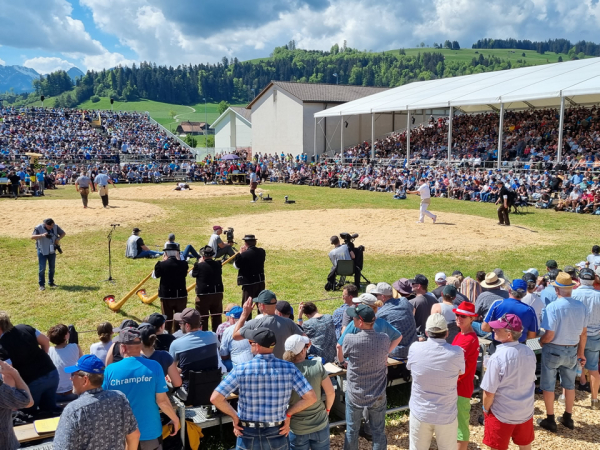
x=577, y=82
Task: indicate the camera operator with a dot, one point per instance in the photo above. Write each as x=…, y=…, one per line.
x=220, y=248
x=340, y=252
x=47, y=236
x=356, y=253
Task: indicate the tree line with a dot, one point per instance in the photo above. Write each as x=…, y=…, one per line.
x=578, y=50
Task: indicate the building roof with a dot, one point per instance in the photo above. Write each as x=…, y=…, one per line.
x=192, y=127
x=242, y=113
x=542, y=86
x=321, y=93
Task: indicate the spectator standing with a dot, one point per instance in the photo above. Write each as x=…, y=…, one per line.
x=508, y=388
x=565, y=321
x=234, y=352
x=47, y=236
x=209, y=288
x=467, y=340
x=27, y=350
x=15, y=183
x=265, y=384
x=309, y=429
x=100, y=349
x=590, y=298
x=532, y=298
x=282, y=327
x=548, y=294
x=446, y=309
x=513, y=305
x=492, y=292
x=143, y=383
x=101, y=181
x=422, y=302
x=366, y=352
x=14, y=394
x=99, y=419
x=399, y=313
x=250, y=262
x=349, y=292
x=435, y=366
x=172, y=289
x=320, y=330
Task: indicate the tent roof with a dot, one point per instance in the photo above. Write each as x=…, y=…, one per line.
x=535, y=86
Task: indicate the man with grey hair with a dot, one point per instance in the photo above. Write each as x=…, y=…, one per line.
x=82, y=185
x=590, y=298
x=101, y=181
x=435, y=366
x=508, y=388
x=565, y=321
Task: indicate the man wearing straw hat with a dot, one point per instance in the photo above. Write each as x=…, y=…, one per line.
x=563, y=345
x=492, y=292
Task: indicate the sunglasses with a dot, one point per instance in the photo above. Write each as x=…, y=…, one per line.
x=78, y=374
x=462, y=316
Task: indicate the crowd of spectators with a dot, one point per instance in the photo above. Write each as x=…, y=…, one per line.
x=409, y=320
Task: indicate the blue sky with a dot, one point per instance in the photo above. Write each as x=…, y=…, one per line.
x=94, y=34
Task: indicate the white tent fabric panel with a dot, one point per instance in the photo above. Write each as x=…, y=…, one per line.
x=537, y=86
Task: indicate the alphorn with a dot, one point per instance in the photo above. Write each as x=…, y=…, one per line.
x=116, y=306
x=141, y=293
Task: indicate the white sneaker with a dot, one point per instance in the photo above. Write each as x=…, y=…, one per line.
x=418, y=221
x=253, y=201
x=561, y=399
x=434, y=219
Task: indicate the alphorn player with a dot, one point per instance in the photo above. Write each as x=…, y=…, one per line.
x=172, y=290
x=209, y=288
x=250, y=262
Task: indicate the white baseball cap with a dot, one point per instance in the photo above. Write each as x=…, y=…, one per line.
x=295, y=343
x=436, y=323
x=366, y=299
x=440, y=276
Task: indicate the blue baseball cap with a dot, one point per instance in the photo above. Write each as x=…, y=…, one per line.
x=87, y=363
x=235, y=312
x=518, y=284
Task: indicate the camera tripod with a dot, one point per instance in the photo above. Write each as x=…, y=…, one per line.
x=110, y=279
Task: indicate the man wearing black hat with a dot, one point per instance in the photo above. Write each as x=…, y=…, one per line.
x=250, y=262
x=258, y=423
x=504, y=198
x=137, y=249
x=209, y=288
x=172, y=289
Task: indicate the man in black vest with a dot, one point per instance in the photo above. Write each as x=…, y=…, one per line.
x=504, y=197
x=250, y=263
x=209, y=288
x=172, y=289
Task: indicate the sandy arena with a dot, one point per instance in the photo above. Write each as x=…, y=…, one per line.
x=310, y=229
x=165, y=191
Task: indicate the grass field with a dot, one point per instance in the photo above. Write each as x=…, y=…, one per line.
x=467, y=54
x=295, y=273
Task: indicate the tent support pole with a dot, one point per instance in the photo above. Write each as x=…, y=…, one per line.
x=560, y=128
x=500, y=132
x=342, y=137
x=407, y=138
x=372, y=136
x=450, y=134
x=315, y=142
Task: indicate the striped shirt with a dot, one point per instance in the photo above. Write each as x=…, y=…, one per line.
x=366, y=353
x=265, y=384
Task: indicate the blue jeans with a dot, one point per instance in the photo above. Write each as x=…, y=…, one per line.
x=318, y=440
x=376, y=419
x=43, y=392
x=147, y=254
x=51, y=259
x=189, y=250
x=262, y=439
x=592, y=352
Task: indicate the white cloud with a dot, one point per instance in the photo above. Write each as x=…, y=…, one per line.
x=2, y=62
x=44, y=65
x=106, y=60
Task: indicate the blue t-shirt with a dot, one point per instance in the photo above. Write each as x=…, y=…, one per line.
x=381, y=326
x=196, y=351
x=140, y=379
x=524, y=312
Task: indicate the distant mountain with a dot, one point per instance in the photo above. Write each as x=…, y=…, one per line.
x=17, y=77
x=75, y=73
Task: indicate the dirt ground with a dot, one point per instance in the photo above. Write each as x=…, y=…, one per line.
x=20, y=217
x=165, y=191
x=586, y=434
x=456, y=233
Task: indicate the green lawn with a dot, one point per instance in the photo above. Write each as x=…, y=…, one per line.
x=467, y=54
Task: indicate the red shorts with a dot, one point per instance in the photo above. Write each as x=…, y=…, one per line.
x=497, y=434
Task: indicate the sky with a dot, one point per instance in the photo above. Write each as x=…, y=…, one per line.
x=48, y=35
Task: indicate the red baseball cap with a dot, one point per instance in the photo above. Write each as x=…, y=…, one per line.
x=217, y=227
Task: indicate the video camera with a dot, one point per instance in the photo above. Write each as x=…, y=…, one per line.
x=348, y=238
x=56, y=247
x=229, y=233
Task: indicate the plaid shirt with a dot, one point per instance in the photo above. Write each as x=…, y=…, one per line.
x=265, y=385
x=338, y=317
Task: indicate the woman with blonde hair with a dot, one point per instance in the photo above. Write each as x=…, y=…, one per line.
x=309, y=429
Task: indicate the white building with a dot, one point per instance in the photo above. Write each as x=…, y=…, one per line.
x=233, y=129
x=282, y=119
